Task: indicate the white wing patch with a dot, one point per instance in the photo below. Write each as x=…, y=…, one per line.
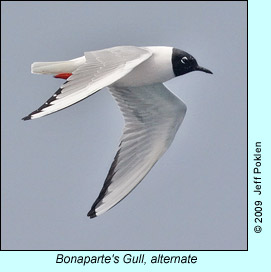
x=102, y=68
x=152, y=117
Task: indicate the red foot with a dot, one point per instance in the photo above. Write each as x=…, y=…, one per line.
x=64, y=75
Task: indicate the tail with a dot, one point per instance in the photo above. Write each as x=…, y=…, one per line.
x=57, y=67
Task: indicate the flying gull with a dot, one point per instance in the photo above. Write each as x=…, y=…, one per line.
x=152, y=114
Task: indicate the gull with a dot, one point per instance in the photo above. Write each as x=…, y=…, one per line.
x=152, y=113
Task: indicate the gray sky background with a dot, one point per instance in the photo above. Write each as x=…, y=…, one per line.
x=54, y=167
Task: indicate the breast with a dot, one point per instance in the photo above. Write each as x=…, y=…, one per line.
x=156, y=69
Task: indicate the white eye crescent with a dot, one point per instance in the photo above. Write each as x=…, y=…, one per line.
x=184, y=60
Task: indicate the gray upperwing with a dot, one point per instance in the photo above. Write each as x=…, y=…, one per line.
x=101, y=69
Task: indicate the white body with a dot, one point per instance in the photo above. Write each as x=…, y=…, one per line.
x=156, y=69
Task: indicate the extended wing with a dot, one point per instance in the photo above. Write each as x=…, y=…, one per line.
x=152, y=117
x=101, y=68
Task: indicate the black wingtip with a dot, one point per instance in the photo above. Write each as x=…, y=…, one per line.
x=28, y=117
x=92, y=213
